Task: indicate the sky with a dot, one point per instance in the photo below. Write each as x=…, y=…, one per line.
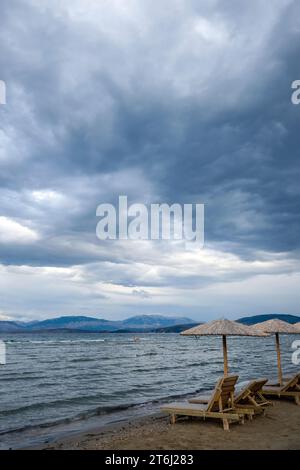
x=179, y=101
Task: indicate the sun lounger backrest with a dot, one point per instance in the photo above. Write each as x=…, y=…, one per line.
x=252, y=388
x=257, y=385
x=222, y=393
x=214, y=400
x=290, y=386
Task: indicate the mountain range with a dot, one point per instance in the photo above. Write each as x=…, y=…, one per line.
x=136, y=324
x=260, y=318
x=82, y=323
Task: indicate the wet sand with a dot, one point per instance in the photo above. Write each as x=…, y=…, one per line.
x=279, y=429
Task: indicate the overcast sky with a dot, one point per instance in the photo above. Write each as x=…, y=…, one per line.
x=172, y=101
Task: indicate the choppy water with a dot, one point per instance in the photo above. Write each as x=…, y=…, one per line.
x=69, y=377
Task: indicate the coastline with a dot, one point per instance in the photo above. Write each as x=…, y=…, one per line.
x=35, y=437
x=89, y=394
x=279, y=429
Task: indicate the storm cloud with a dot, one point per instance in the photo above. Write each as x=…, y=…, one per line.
x=177, y=101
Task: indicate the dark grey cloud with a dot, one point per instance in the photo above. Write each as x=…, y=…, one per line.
x=186, y=103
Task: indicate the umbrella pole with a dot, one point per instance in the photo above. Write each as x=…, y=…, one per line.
x=278, y=358
x=225, y=355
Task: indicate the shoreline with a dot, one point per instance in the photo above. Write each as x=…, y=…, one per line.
x=109, y=431
x=39, y=436
x=101, y=429
x=278, y=430
x=35, y=437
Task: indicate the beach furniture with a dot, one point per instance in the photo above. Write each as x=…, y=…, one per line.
x=250, y=397
x=277, y=327
x=219, y=405
x=290, y=389
x=223, y=328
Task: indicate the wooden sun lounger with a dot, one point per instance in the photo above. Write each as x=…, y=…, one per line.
x=218, y=406
x=250, y=397
x=290, y=389
x=284, y=380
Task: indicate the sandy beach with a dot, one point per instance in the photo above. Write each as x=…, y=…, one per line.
x=279, y=429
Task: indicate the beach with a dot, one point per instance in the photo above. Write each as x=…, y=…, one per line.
x=149, y=227
x=279, y=429
x=86, y=385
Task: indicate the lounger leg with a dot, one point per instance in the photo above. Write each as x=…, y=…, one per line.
x=173, y=419
x=225, y=424
x=297, y=400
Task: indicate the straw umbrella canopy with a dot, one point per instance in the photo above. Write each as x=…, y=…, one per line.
x=222, y=328
x=277, y=327
x=297, y=325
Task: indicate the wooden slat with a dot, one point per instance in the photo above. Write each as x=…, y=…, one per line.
x=202, y=413
x=292, y=382
x=280, y=393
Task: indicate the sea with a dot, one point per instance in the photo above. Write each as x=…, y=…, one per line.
x=58, y=384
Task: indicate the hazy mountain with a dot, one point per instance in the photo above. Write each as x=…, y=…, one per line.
x=175, y=328
x=260, y=318
x=10, y=326
x=154, y=321
x=139, y=323
x=76, y=323
x=82, y=323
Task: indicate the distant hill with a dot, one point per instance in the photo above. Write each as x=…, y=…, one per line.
x=154, y=321
x=138, y=323
x=10, y=326
x=163, y=329
x=260, y=318
x=75, y=323
x=135, y=324
x=176, y=328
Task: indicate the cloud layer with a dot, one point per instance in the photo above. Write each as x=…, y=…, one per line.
x=182, y=102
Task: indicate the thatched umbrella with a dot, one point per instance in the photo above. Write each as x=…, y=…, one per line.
x=297, y=325
x=223, y=328
x=277, y=327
